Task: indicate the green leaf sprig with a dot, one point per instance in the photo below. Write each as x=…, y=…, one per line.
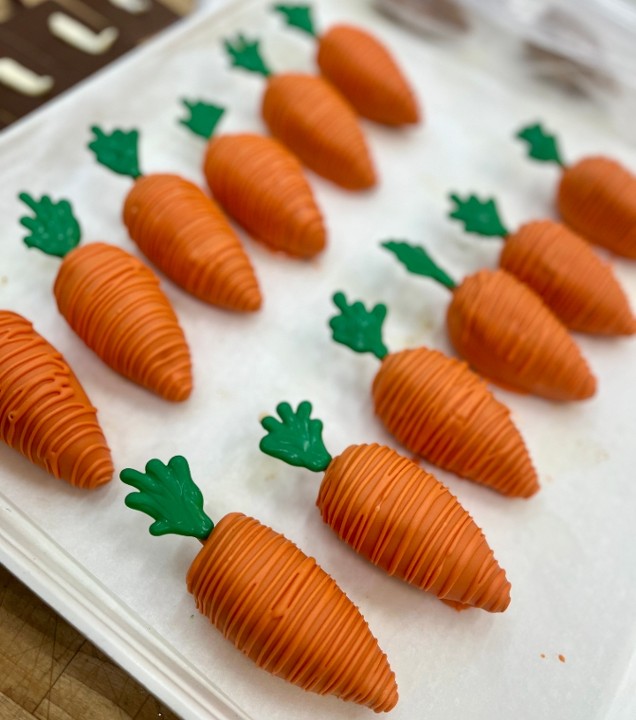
x=118, y=151
x=296, y=438
x=53, y=227
x=419, y=262
x=479, y=216
x=168, y=494
x=541, y=145
x=246, y=54
x=298, y=16
x=358, y=328
x=202, y=117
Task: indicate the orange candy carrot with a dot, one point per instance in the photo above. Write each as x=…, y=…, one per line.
x=312, y=119
x=506, y=332
x=260, y=184
x=361, y=67
x=113, y=302
x=393, y=513
x=438, y=408
x=180, y=230
x=44, y=412
x=275, y=604
x=596, y=196
x=579, y=288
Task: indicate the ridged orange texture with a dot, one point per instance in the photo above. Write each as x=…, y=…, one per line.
x=572, y=280
x=44, y=412
x=278, y=607
x=259, y=183
x=597, y=199
x=405, y=521
x=114, y=303
x=510, y=336
x=436, y=407
x=183, y=232
x=367, y=75
x=319, y=126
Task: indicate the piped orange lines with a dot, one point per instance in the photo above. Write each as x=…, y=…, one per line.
x=44, y=412
x=183, y=233
x=261, y=185
x=114, y=303
x=406, y=522
x=286, y=614
x=436, y=407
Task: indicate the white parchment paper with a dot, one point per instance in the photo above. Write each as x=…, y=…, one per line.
x=569, y=552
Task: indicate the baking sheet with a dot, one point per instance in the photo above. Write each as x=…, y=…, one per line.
x=569, y=552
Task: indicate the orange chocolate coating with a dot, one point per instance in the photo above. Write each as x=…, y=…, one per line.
x=44, y=412
x=283, y=611
x=367, y=75
x=259, y=183
x=572, y=280
x=597, y=199
x=114, y=303
x=438, y=408
x=183, y=232
x=405, y=521
x=508, y=335
x=319, y=126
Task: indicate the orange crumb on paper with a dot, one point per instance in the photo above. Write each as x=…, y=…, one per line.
x=542, y=656
x=562, y=658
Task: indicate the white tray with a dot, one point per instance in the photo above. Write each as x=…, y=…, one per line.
x=569, y=552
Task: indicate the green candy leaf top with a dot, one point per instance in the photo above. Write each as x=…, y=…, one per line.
x=298, y=16
x=117, y=151
x=479, y=216
x=53, y=229
x=296, y=438
x=417, y=261
x=246, y=55
x=203, y=117
x=358, y=328
x=169, y=495
x=541, y=145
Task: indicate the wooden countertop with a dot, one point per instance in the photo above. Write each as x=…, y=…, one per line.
x=49, y=671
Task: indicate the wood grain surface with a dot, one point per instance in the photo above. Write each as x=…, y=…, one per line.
x=49, y=671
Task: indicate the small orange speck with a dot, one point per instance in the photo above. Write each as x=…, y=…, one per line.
x=543, y=655
x=562, y=658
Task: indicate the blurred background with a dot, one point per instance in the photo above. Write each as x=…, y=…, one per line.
x=587, y=47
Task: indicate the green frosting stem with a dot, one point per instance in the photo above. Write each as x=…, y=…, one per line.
x=296, y=438
x=417, y=261
x=118, y=151
x=479, y=216
x=541, y=145
x=358, y=328
x=298, y=16
x=246, y=54
x=53, y=229
x=203, y=117
x=169, y=495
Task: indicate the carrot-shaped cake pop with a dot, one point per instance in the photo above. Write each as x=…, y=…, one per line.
x=506, y=332
x=275, y=604
x=113, y=302
x=393, y=513
x=572, y=280
x=359, y=65
x=596, y=196
x=180, y=229
x=308, y=115
x=438, y=408
x=260, y=184
x=44, y=412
